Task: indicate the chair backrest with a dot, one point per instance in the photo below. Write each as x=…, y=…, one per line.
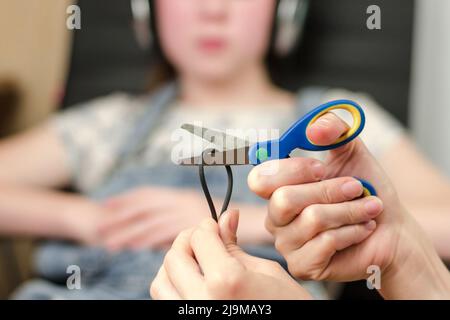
x=339, y=50
x=105, y=56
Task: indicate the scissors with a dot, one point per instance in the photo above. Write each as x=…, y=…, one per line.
x=242, y=152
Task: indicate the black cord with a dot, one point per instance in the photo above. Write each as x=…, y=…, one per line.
x=201, y=173
x=227, y=199
x=226, y=202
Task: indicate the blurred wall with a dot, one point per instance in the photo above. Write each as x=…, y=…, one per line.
x=34, y=49
x=430, y=92
x=34, y=44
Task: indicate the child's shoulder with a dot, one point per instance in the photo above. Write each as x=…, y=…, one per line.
x=115, y=103
x=112, y=110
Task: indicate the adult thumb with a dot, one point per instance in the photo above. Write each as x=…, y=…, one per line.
x=327, y=129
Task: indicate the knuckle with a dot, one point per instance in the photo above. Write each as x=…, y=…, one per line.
x=328, y=239
x=268, y=224
x=295, y=268
x=354, y=212
x=225, y=285
x=305, y=269
x=196, y=236
x=280, y=203
x=257, y=182
x=326, y=192
x=299, y=164
x=357, y=231
x=207, y=224
x=280, y=245
x=298, y=270
x=311, y=218
x=183, y=237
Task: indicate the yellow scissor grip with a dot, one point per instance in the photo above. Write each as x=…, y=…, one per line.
x=353, y=111
x=366, y=192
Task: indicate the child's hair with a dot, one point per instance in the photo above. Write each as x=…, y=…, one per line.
x=162, y=71
x=9, y=104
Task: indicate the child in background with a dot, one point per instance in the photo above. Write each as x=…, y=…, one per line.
x=116, y=152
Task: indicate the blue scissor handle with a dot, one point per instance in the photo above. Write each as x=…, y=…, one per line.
x=369, y=190
x=295, y=137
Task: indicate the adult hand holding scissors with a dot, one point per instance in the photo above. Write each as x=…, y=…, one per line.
x=326, y=231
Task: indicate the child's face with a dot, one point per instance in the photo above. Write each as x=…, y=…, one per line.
x=214, y=39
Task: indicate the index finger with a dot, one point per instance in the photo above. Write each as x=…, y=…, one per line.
x=181, y=267
x=288, y=202
x=289, y=172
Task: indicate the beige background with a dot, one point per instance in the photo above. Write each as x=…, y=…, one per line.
x=34, y=50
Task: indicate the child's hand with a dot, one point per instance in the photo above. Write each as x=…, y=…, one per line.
x=205, y=263
x=149, y=218
x=320, y=227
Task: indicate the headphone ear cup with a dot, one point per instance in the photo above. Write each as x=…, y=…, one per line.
x=141, y=10
x=290, y=21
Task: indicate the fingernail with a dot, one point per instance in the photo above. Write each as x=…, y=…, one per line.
x=373, y=207
x=371, y=225
x=352, y=189
x=322, y=122
x=318, y=170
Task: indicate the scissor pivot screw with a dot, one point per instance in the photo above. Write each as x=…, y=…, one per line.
x=262, y=154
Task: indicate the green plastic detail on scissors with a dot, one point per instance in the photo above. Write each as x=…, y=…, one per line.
x=262, y=154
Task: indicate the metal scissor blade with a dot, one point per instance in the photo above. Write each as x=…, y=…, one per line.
x=220, y=139
x=212, y=157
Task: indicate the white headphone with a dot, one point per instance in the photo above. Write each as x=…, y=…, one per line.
x=290, y=19
x=141, y=22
